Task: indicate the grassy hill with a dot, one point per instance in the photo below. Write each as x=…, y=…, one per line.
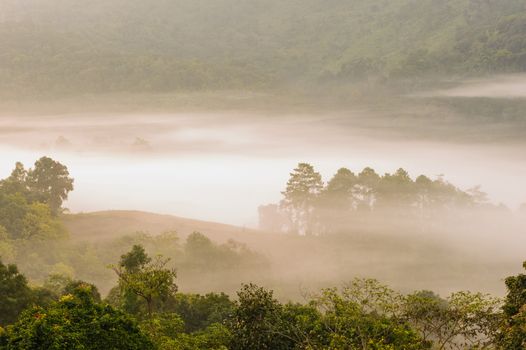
x=59, y=47
x=443, y=259
x=107, y=225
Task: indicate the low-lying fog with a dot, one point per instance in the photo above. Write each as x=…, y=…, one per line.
x=221, y=166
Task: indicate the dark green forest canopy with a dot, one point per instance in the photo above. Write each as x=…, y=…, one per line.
x=141, y=46
x=363, y=314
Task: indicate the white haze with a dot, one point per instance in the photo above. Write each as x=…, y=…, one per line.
x=505, y=86
x=221, y=166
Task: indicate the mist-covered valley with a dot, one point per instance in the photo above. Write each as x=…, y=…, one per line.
x=245, y=174
x=219, y=164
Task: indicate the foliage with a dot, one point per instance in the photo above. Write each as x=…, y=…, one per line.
x=314, y=209
x=148, y=279
x=203, y=255
x=513, y=332
x=256, y=321
x=15, y=295
x=76, y=321
x=229, y=44
x=363, y=315
x=49, y=183
x=30, y=200
x=166, y=330
x=201, y=311
x=299, y=197
x=464, y=320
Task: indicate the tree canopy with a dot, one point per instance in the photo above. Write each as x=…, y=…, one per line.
x=229, y=44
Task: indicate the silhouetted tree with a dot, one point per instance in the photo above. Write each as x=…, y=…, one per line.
x=300, y=197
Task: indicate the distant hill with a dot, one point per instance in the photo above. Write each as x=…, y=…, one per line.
x=68, y=47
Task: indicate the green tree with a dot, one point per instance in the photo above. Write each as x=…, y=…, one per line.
x=76, y=322
x=148, y=279
x=364, y=315
x=464, y=320
x=201, y=311
x=300, y=197
x=513, y=332
x=49, y=182
x=16, y=182
x=256, y=322
x=15, y=295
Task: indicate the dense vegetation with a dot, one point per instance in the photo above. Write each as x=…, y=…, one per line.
x=145, y=311
x=51, y=47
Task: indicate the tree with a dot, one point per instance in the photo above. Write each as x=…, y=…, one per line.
x=61, y=285
x=364, y=315
x=76, y=321
x=464, y=320
x=146, y=278
x=513, y=330
x=49, y=183
x=256, y=321
x=337, y=201
x=15, y=295
x=200, y=311
x=339, y=190
x=300, y=197
x=366, y=191
x=17, y=181
x=27, y=205
x=396, y=191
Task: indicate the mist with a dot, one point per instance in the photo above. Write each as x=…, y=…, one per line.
x=221, y=155
x=175, y=163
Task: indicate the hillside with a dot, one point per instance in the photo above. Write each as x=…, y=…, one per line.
x=387, y=252
x=107, y=225
x=67, y=47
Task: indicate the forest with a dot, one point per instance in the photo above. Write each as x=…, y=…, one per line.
x=50, y=299
x=185, y=45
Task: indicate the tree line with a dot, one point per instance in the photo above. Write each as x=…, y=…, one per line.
x=311, y=207
x=232, y=44
x=146, y=311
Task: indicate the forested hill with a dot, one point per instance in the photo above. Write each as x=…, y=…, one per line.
x=71, y=46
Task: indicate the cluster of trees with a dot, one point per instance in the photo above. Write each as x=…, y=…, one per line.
x=183, y=45
x=146, y=311
x=311, y=207
x=202, y=263
x=31, y=200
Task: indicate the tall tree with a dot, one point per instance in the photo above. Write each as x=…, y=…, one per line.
x=396, y=191
x=337, y=201
x=366, y=191
x=300, y=197
x=339, y=190
x=50, y=183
